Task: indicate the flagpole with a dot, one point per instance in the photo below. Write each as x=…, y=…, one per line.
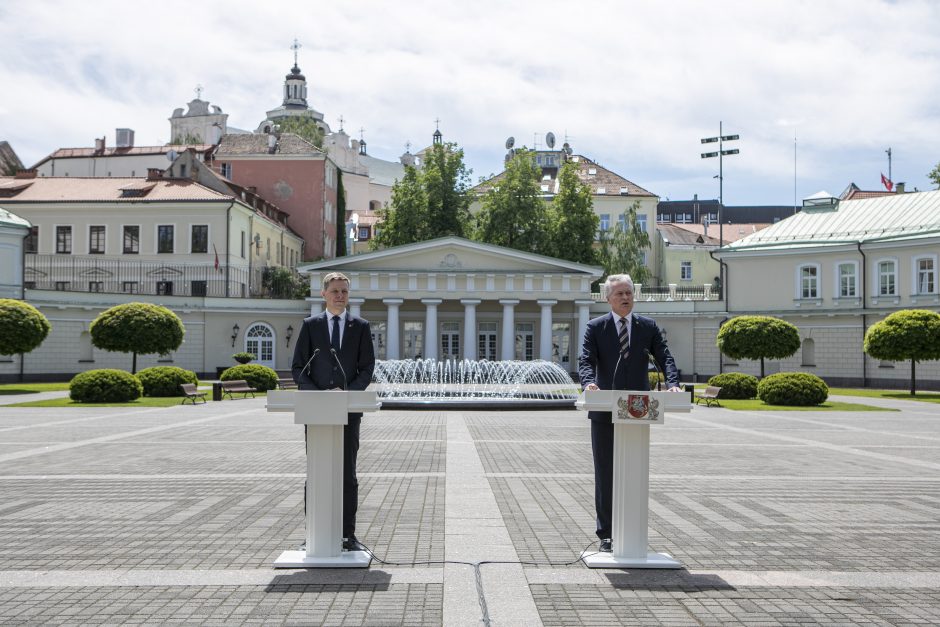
x=889, y=164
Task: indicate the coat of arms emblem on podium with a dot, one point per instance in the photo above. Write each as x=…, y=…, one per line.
x=638, y=407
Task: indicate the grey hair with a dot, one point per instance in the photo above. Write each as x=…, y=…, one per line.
x=617, y=278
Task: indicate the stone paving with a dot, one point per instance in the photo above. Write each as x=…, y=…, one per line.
x=175, y=515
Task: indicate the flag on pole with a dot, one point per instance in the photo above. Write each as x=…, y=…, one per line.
x=887, y=182
x=217, y=257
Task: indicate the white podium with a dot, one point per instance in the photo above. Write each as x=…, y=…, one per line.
x=324, y=413
x=633, y=411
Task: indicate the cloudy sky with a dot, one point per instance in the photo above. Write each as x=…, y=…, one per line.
x=634, y=85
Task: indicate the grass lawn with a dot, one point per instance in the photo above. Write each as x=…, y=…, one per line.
x=903, y=395
x=755, y=404
x=32, y=388
x=143, y=401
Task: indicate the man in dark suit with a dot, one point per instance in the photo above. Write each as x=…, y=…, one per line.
x=615, y=356
x=334, y=352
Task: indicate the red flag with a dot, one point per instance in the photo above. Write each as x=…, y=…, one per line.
x=216, y=258
x=887, y=182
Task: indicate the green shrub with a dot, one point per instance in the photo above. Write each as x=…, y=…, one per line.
x=792, y=388
x=654, y=378
x=258, y=376
x=735, y=385
x=22, y=327
x=243, y=358
x=105, y=386
x=165, y=380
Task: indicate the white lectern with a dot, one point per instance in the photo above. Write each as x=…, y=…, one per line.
x=324, y=413
x=633, y=411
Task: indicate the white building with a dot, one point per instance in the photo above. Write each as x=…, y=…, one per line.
x=13, y=230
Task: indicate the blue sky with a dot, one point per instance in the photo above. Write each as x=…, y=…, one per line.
x=634, y=85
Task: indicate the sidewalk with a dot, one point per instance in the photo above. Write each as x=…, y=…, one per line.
x=157, y=515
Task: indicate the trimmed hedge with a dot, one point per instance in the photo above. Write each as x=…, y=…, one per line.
x=257, y=376
x=22, y=327
x=165, y=380
x=735, y=385
x=793, y=388
x=105, y=386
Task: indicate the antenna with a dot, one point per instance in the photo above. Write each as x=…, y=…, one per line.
x=550, y=140
x=510, y=142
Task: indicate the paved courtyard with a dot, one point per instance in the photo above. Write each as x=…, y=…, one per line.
x=175, y=515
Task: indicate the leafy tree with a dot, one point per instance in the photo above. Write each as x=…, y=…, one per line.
x=22, y=327
x=405, y=220
x=306, y=127
x=758, y=337
x=573, y=221
x=908, y=334
x=934, y=175
x=513, y=213
x=340, y=215
x=446, y=180
x=137, y=328
x=621, y=249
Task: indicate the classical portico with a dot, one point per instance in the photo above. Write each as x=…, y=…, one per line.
x=453, y=298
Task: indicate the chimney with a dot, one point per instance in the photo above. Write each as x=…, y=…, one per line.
x=154, y=173
x=124, y=137
x=25, y=174
x=899, y=187
x=99, y=144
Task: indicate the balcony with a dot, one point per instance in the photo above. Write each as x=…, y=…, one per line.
x=669, y=293
x=93, y=273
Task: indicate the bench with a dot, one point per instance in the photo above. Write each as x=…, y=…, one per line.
x=286, y=383
x=237, y=386
x=709, y=395
x=191, y=393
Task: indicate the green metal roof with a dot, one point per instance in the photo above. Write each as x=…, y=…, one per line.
x=11, y=219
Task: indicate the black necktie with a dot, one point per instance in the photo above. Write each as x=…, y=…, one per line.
x=334, y=337
x=624, y=337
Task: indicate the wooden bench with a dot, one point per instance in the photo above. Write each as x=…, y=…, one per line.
x=191, y=392
x=286, y=383
x=237, y=386
x=709, y=395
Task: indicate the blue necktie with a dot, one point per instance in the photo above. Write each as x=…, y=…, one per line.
x=334, y=337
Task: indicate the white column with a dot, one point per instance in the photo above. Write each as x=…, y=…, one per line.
x=469, y=328
x=355, y=306
x=430, y=326
x=509, y=329
x=316, y=304
x=584, y=316
x=392, y=343
x=545, y=329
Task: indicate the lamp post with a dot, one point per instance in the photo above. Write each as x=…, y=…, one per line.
x=721, y=139
x=234, y=334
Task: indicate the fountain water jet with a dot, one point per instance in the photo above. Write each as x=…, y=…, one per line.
x=466, y=384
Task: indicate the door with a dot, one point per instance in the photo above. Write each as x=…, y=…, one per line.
x=525, y=341
x=561, y=344
x=413, y=340
x=486, y=341
x=450, y=340
x=259, y=341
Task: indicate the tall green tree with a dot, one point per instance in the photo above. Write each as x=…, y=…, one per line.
x=572, y=218
x=908, y=334
x=405, y=219
x=340, y=215
x=137, y=328
x=934, y=175
x=622, y=248
x=306, y=127
x=513, y=212
x=446, y=180
x=758, y=337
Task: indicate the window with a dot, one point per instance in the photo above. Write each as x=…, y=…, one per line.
x=486, y=341
x=641, y=220
x=131, y=240
x=809, y=281
x=243, y=245
x=165, y=238
x=198, y=288
x=887, y=278
x=621, y=222
x=925, y=275
x=847, y=279
x=96, y=240
x=96, y=286
x=525, y=341
x=363, y=233
x=164, y=288
x=712, y=217
x=31, y=243
x=199, y=242
x=685, y=271
x=664, y=217
x=63, y=240
x=683, y=218
x=226, y=170
x=62, y=286
x=129, y=287
x=605, y=221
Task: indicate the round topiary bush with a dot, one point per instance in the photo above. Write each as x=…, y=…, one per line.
x=792, y=388
x=105, y=386
x=22, y=327
x=735, y=385
x=165, y=380
x=258, y=376
x=243, y=358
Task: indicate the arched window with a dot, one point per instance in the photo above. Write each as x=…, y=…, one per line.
x=259, y=341
x=809, y=352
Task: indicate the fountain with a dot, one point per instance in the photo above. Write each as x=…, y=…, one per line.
x=466, y=384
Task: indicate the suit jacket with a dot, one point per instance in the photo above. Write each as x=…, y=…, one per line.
x=356, y=355
x=600, y=357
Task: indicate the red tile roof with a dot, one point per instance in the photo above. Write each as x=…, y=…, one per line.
x=109, y=189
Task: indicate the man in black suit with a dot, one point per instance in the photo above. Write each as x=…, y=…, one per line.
x=615, y=356
x=334, y=352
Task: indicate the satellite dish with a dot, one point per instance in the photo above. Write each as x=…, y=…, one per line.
x=550, y=140
x=510, y=143
x=172, y=155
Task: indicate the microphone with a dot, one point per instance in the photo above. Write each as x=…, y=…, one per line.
x=649, y=357
x=336, y=357
x=309, y=361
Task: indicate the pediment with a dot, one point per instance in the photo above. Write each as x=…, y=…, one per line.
x=451, y=254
